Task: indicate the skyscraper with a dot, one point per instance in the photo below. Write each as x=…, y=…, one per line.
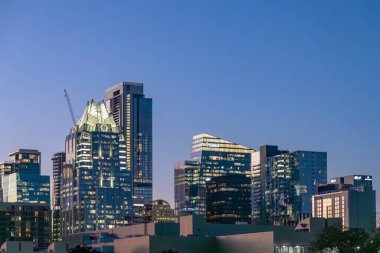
x=186, y=181
x=259, y=178
x=58, y=162
x=291, y=180
x=132, y=112
x=27, y=214
x=22, y=181
x=96, y=183
x=216, y=157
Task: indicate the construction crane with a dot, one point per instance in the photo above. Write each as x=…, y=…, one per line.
x=70, y=107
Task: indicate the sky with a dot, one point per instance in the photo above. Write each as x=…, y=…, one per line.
x=303, y=75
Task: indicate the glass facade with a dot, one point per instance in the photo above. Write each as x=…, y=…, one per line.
x=25, y=222
x=26, y=188
x=259, y=173
x=132, y=111
x=216, y=157
x=186, y=180
x=229, y=199
x=96, y=182
x=21, y=180
x=291, y=180
x=26, y=161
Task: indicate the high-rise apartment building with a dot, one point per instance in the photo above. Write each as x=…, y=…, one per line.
x=291, y=180
x=58, y=160
x=96, y=182
x=350, y=198
x=186, y=181
x=228, y=199
x=214, y=157
x=22, y=181
x=132, y=112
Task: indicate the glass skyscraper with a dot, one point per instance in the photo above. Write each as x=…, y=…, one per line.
x=22, y=181
x=291, y=180
x=96, y=182
x=186, y=180
x=25, y=211
x=259, y=178
x=216, y=157
x=132, y=111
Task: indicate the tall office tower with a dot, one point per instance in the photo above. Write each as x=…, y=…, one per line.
x=186, y=181
x=292, y=179
x=132, y=112
x=95, y=190
x=217, y=157
x=58, y=162
x=350, y=198
x=23, y=182
x=228, y=199
x=259, y=177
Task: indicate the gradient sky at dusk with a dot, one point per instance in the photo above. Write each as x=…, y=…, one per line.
x=299, y=74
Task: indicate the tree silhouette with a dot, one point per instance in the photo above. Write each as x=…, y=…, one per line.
x=83, y=249
x=350, y=241
x=168, y=251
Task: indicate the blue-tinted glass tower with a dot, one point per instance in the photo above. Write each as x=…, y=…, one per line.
x=291, y=180
x=132, y=111
x=22, y=182
x=96, y=183
x=217, y=157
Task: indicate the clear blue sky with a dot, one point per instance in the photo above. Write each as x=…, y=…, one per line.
x=299, y=74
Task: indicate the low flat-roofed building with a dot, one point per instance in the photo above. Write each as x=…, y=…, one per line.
x=193, y=235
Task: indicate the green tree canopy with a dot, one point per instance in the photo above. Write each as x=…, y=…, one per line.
x=350, y=241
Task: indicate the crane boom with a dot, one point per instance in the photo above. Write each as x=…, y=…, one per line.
x=70, y=107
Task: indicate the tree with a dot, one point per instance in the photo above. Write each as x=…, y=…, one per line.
x=350, y=241
x=168, y=251
x=83, y=249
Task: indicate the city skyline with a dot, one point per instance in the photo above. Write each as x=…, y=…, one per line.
x=317, y=90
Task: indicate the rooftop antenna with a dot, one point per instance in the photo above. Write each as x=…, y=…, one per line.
x=70, y=107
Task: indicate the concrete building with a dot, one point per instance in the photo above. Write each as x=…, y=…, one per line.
x=132, y=112
x=25, y=222
x=350, y=198
x=96, y=182
x=193, y=235
x=228, y=199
